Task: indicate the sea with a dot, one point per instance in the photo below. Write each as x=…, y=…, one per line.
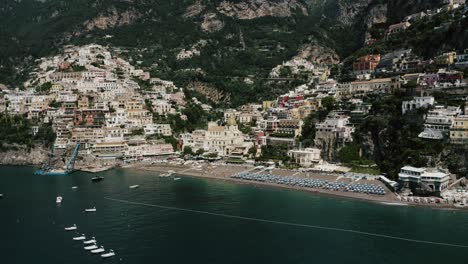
x=194, y=220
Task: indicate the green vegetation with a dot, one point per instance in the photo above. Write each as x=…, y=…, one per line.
x=138, y=132
x=394, y=136
x=44, y=88
x=274, y=152
x=17, y=131
x=188, y=151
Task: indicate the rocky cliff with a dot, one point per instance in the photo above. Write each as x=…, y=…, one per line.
x=22, y=156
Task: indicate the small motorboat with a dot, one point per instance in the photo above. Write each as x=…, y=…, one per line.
x=91, y=241
x=90, y=247
x=1, y=195
x=98, y=250
x=70, y=228
x=78, y=238
x=97, y=178
x=59, y=199
x=108, y=254
x=176, y=179
x=75, y=187
x=134, y=186
x=89, y=210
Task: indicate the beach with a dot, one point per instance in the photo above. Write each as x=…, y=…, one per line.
x=224, y=173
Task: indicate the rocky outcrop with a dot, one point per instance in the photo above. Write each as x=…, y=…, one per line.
x=211, y=23
x=209, y=91
x=22, y=156
x=193, y=10
x=260, y=8
x=377, y=15
x=318, y=54
x=111, y=20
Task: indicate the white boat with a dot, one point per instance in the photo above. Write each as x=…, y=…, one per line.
x=70, y=228
x=176, y=179
x=1, y=195
x=91, y=241
x=109, y=254
x=134, y=186
x=82, y=237
x=98, y=250
x=90, y=247
x=59, y=199
x=75, y=187
x=90, y=210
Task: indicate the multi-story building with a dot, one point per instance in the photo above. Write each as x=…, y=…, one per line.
x=305, y=157
x=399, y=27
x=224, y=140
x=424, y=179
x=417, y=102
x=446, y=59
x=459, y=130
x=366, y=64
x=462, y=59
x=149, y=150
x=336, y=128
x=439, y=121
x=158, y=129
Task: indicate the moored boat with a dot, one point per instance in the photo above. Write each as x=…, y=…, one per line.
x=97, y=178
x=134, y=186
x=89, y=210
x=70, y=228
x=176, y=179
x=109, y=254
x=90, y=247
x=91, y=241
x=98, y=250
x=78, y=238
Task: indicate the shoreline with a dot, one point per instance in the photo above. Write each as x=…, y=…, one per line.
x=389, y=199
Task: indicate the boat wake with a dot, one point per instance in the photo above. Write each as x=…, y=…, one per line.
x=337, y=229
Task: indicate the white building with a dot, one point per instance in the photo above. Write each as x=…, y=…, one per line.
x=305, y=157
x=416, y=103
x=145, y=150
x=434, y=179
x=439, y=121
x=224, y=140
x=336, y=126
x=158, y=129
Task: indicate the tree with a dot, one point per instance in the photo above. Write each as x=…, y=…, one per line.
x=308, y=131
x=187, y=150
x=200, y=152
x=253, y=151
x=329, y=103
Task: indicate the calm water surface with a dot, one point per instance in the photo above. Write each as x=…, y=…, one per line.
x=31, y=224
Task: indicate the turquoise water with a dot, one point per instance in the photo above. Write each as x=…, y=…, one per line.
x=31, y=224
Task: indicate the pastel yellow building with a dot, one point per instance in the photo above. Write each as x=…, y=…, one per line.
x=459, y=130
x=447, y=58
x=267, y=104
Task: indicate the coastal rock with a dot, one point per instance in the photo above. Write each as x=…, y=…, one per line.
x=22, y=156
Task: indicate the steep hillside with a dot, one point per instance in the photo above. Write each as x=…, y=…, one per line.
x=243, y=38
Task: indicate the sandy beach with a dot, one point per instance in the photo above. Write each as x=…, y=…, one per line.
x=224, y=173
